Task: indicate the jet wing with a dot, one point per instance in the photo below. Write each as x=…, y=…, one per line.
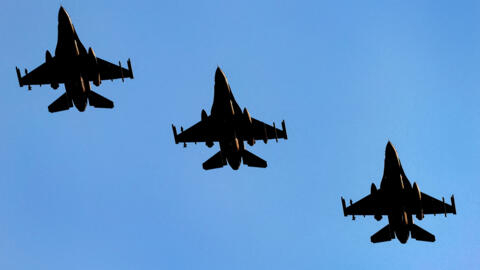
x=46, y=73
x=200, y=132
x=369, y=205
x=109, y=71
x=431, y=205
x=261, y=131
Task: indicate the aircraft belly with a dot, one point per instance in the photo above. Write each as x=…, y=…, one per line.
x=80, y=102
x=76, y=90
x=234, y=161
x=402, y=235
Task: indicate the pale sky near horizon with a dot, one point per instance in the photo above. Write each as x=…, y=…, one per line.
x=109, y=189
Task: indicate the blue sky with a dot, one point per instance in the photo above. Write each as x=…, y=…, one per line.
x=109, y=189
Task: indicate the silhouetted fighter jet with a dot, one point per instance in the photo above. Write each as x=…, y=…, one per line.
x=398, y=200
x=229, y=126
x=73, y=66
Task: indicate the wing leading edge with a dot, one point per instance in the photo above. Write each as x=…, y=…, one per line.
x=208, y=131
x=109, y=71
x=262, y=131
x=434, y=206
x=372, y=205
x=200, y=132
x=46, y=73
x=51, y=72
x=368, y=206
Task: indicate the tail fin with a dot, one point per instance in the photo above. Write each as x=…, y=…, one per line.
x=61, y=104
x=216, y=161
x=98, y=101
x=421, y=235
x=252, y=160
x=385, y=234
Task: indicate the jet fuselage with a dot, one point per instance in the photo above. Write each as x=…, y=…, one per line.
x=226, y=111
x=397, y=191
x=72, y=56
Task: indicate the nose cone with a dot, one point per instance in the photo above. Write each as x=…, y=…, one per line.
x=219, y=75
x=392, y=162
x=63, y=17
x=62, y=13
x=390, y=150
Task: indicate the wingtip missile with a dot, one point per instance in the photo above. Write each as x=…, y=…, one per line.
x=129, y=64
x=452, y=200
x=19, y=76
x=284, y=129
x=174, y=129
x=265, y=138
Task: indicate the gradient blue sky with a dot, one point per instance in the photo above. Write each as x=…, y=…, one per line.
x=109, y=189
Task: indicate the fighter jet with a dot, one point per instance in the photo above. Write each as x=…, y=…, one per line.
x=230, y=127
x=73, y=66
x=398, y=200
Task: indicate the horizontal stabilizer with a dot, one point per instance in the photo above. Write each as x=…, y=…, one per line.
x=98, y=101
x=252, y=160
x=421, y=235
x=385, y=234
x=216, y=161
x=61, y=104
